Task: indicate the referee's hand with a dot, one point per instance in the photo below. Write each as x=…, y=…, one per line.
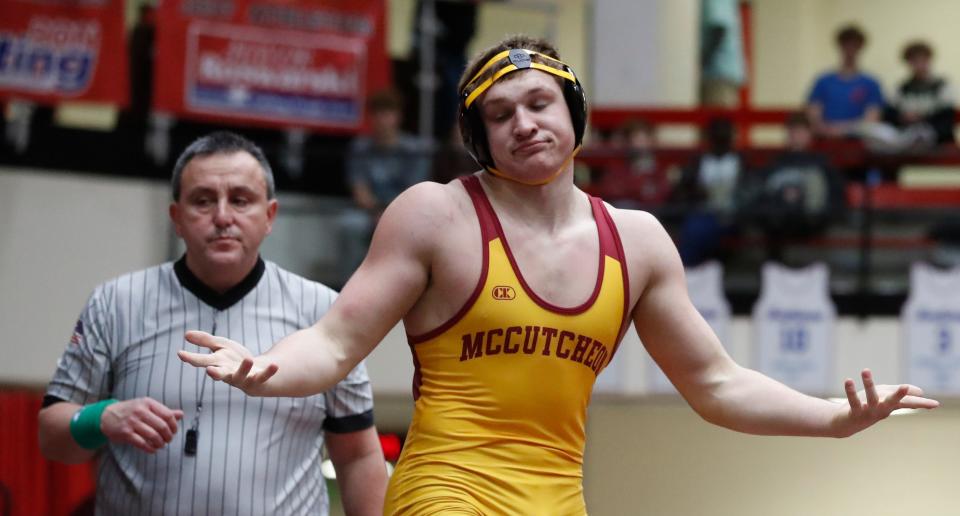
x=228, y=362
x=142, y=422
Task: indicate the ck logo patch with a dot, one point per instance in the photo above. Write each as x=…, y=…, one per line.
x=503, y=293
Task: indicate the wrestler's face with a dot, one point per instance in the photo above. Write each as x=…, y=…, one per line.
x=223, y=213
x=528, y=126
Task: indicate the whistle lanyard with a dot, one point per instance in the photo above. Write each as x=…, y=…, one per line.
x=190, y=442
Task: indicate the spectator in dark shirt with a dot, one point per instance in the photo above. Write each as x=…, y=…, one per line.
x=799, y=195
x=923, y=105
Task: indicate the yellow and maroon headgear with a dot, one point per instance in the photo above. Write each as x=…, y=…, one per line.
x=471, y=123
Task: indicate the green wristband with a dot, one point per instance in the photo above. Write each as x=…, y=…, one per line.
x=85, y=425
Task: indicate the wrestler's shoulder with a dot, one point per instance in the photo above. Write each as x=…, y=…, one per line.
x=645, y=240
x=432, y=200
x=634, y=220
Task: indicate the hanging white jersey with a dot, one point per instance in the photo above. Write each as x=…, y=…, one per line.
x=930, y=326
x=793, y=325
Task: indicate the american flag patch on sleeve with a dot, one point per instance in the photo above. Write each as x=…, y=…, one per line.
x=77, y=333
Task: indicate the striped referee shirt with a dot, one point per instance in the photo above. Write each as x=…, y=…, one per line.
x=253, y=455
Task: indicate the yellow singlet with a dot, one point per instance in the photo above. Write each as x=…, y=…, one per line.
x=502, y=388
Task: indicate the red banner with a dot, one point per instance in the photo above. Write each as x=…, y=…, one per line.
x=56, y=50
x=286, y=63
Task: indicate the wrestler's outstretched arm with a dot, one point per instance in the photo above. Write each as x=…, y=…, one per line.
x=718, y=389
x=392, y=277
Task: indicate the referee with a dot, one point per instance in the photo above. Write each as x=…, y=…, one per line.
x=169, y=439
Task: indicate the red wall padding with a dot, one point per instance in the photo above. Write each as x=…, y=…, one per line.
x=34, y=485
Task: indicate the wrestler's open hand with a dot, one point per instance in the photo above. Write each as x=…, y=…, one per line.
x=876, y=402
x=228, y=362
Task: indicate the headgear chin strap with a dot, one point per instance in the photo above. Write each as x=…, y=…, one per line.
x=473, y=131
x=494, y=171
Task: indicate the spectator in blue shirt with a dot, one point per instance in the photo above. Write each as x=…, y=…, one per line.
x=843, y=100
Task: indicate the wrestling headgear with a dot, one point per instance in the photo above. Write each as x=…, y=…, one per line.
x=471, y=123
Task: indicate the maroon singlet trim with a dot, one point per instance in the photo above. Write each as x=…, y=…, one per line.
x=523, y=282
x=487, y=233
x=622, y=258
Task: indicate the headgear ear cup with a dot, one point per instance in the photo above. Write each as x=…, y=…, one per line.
x=474, y=133
x=577, y=103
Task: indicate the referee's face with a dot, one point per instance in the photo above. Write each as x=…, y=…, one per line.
x=223, y=215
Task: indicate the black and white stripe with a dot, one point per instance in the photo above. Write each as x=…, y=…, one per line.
x=254, y=455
